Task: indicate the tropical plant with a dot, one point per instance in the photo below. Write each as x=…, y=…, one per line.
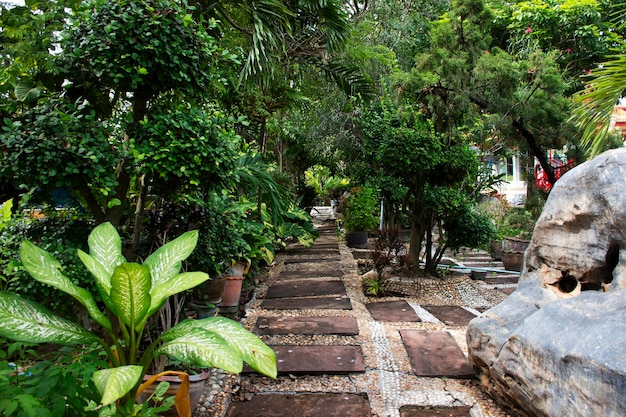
x=360, y=211
x=132, y=293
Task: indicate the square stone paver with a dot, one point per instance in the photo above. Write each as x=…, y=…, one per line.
x=392, y=311
x=317, y=359
x=302, y=303
x=435, y=354
x=507, y=291
x=305, y=288
x=345, y=326
x=310, y=259
x=316, y=273
x=301, y=405
x=451, y=315
x=415, y=411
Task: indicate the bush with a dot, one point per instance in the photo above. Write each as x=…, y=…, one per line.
x=58, y=232
x=470, y=229
x=221, y=227
x=47, y=387
x=361, y=209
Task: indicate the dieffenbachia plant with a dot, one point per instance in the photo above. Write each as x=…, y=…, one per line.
x=132, y=293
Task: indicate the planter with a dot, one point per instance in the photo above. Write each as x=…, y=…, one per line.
x=357, y=239
x=239, y=268
x=513, y=244
x=495, y=250
x=211, y=290
x=232, y=291
x=196, y=386
x=205, y=310
x=512, y=260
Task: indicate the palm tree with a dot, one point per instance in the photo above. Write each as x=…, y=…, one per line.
x=594, y=105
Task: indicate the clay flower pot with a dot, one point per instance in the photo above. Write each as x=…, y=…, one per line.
x=232, y=291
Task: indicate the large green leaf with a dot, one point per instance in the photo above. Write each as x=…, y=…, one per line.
x=26, y=92
x=46, y=269
x=174, y=285
x=130, y=292
x=101, y=275
x=114, y=383
x=203, y=348
x=105, y=246
x=249, y=347
x=26, y=321
x=164, y=263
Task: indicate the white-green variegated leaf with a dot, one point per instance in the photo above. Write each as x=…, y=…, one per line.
x=26, y=321
x=202, y=348
x=130, y=292
x=114, y=383
x=164, y=263
x=175, y=285
x=105, y=246
x=102, y=277
x=253, y=351
x=46, y=269
x=248, y=347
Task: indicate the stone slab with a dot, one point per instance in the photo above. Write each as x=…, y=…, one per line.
x=318, y=273
x=306, y=288
x=328, y=265
x=511, y=279
x=435, y=354
x=301, y=405
x=392, y=311
x=451, y=315
x=507, y=291
x=314, y=251
x=311, y=259
x=415, y=411
x=301, y=303
x=345, y=326
x=319, y=359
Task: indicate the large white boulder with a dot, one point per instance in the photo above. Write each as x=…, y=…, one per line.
x=557, y=345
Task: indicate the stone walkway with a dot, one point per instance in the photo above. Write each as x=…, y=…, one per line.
x=341, y=353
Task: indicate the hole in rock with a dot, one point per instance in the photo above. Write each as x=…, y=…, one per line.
x=568, y=283
x=612, y=259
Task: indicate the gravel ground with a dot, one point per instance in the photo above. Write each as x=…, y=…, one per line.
x=388, y=381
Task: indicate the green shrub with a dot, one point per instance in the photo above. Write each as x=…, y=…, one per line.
x=361, y=209
x=58, y=386
x=58, y=232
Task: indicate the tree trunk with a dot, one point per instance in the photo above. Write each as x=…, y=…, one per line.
x=535, y=149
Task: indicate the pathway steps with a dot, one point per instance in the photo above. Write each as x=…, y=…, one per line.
x=342, y=354
x=346, y=326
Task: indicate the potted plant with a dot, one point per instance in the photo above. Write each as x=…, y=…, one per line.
x=131, y=294
x=360, y=216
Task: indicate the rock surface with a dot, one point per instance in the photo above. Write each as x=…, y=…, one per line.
x=557, y=345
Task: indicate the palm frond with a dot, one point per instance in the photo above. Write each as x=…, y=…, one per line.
x=594, y=105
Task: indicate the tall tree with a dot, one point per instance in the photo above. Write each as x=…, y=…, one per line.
x=463, y=78
x=127, y=111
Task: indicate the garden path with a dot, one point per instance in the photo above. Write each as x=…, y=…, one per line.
x=341, y=353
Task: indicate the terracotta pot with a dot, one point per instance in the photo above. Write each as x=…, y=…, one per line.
x=357, y=239
x=232, y=291
x=239, y=268
x=512, y=260
x=211, y=290
x=513, y=244
x=196, y=386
